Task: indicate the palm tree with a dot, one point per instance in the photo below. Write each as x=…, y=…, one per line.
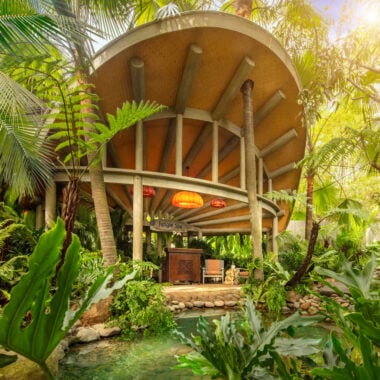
x=74, y=40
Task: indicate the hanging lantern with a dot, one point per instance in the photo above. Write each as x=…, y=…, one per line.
x=148, y=191
x=187, y=199
x=218, y=203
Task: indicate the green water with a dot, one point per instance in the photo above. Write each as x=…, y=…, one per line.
x=114, y=359
x=149, y=358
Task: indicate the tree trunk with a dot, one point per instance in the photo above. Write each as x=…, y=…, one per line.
x=103, y=219
x=250, y=159
x=309, y=203
x=310, y=251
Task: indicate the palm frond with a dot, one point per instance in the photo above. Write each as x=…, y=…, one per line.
x=24, y=154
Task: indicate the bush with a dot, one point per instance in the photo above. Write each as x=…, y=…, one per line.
x=139, y=307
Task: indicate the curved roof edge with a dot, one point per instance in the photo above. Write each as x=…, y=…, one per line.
x=191, y=20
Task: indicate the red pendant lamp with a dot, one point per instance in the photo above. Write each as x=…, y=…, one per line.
x=218, y=203
x=187, y=199
x=148, y=191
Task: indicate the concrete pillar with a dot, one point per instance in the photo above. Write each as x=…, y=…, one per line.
x=137, y=218
x=178, y=145
x=51, y=204
x=39, y=217
x=215, y=152
x=274, y=235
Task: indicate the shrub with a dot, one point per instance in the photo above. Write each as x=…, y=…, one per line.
x=139, y=307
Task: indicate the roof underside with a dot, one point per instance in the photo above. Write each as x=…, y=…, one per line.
x=195, y=64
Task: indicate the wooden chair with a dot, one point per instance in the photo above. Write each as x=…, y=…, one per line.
x=213, y=269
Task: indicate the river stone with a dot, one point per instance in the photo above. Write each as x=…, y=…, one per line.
x=24, y=368
x=181, y=305
x=199, y=303
x=306, y=305
x=230, y=303
x=98, y=313
x=219, y=303
x=87, y=334
x=209, y=304
x=313, y=310
x=189, y=305
x=106, y=332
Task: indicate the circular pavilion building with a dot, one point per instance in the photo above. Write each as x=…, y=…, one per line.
x=195, y=65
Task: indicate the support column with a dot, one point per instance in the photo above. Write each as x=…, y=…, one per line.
x=215, y=152
x=39, y=217
x=50, y=204
x=137, y=218
x=274, y=235
x=178, y=145
x=138, y=209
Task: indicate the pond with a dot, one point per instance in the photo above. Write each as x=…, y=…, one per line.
x=149, y=358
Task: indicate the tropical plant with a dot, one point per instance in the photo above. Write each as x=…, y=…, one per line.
x=139, y=307
x=358, y=357
x=239, y=347
x=35, y=320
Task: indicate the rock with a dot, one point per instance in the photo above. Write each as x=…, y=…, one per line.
x=209, y=304
x=181, y=306
x=219, y=303
x=189, y=305
x=199, y=303
x=230, y=303
x=306, y=305
x=106, y=332
x=313, y=310
x=292, y=296
x=98, y=313
x=24, y=368
x=87, y=334
x=175, y=302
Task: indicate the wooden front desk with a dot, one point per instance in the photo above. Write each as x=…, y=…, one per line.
x=182, y=265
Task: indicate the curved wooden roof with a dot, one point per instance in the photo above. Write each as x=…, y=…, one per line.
x=195, y=64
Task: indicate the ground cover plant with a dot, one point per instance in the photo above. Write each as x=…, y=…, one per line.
x=241, y=347
x=138, y=308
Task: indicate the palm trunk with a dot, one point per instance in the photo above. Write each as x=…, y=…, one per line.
x=103, y=218
x=250, y=159
x=310, y=251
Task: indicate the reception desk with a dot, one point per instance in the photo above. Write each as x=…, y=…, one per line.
x=182, y=265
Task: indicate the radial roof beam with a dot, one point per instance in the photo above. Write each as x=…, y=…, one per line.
x=231, y=144
x=201, y=140
x=136, y=67
x=268, y=107
x=230, y=175
x=278, y=143
x=193, y=61
x=283, y=170
x=118, y=201
x=233, y=88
